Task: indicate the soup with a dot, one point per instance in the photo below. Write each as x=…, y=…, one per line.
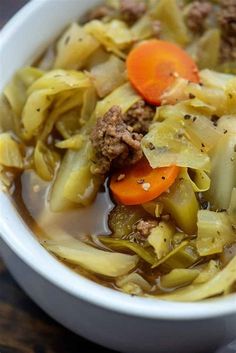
x=118, y=147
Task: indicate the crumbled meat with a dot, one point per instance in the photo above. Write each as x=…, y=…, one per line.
x=132, y=10
x=114, y=142
x=228, y=49
x=144, y=227
x=98, y=13
x=227, y=17
x=227, y=21
x=140, y=116
x=197, y=13
x=156, y=27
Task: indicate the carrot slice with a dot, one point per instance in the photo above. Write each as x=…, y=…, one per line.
x=153, y=66
x=140, y=183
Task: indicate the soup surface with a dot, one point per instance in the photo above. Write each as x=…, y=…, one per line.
x=118, y=147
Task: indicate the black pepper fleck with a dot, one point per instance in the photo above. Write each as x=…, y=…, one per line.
x=191, y=96
x=204, y=205
x=221, y=210
x=140, y=181
x=214, y=118
x=67, y=40
x=187, y=116
x=151, y=146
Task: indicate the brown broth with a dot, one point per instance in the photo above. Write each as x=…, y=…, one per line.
x=31, y=197
x=31, y=200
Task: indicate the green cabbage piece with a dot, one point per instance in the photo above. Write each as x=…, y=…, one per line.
x=45, y=161
x=182, y=205
x=123, y=218
x=178, y=277
x=74, y=48
x=115, y=36
x=74, y=142
x=214, y=232
x=219, y=284
x=10, y=153
x=232, y=207
x=208, y=49
x=170, y=146
x=208, y=271
x=8, y=119
x=172, y=21
x=117, y=98
x=160, y=238
x=74, y=183
x=111, y=264
x=199, y=179
x=109, y=75
x=142, y=29
x=16, y=90
x=119, y=244
x=182, y=256
x=223, y=171
x=43, y=92
x=133, y=283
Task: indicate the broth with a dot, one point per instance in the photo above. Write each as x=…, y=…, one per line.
x=31, y=197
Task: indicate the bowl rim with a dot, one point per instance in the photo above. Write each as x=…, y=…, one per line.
x=15, y=233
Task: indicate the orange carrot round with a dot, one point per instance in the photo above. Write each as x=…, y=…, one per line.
x=140, y=183
x=154, y=65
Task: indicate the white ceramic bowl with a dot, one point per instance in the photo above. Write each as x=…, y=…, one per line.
x=112, y=319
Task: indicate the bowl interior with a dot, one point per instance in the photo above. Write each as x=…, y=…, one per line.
x=21, y=41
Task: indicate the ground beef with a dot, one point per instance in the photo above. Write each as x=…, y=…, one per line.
x=228, y=49
x=197, y=13
x=227, y=21
x=98, y=13
x=132, y=10
x=156, y=27
x=114, y=142
x=139, y=117
x=227, y=17
x=144, y=227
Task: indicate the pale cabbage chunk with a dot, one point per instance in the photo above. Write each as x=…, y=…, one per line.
x=105, y=263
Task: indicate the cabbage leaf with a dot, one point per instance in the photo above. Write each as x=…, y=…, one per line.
x=214, y=232
x=219, y=284
x=43, y=92
x=119, y=244
x=170, y=146
x=74, y=48
x=10, y=153
x=111, y=264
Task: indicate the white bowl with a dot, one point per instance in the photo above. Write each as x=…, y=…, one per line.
x=110, y=318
